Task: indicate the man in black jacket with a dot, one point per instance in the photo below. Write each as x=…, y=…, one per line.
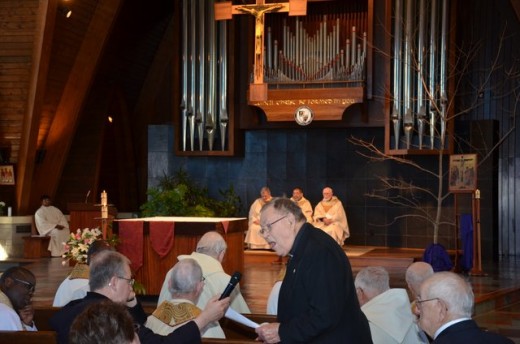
x=445, y=306
x=110, y=279
x=318, y=302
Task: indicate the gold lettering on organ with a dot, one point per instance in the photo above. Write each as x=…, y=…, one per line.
x=290, y=102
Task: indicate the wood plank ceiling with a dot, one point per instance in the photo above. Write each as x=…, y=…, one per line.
x=48, y=65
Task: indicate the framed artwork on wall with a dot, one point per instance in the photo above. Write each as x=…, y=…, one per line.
x=6, y=175
x=463, y=173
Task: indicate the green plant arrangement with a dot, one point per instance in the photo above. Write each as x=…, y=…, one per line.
x=178, y=195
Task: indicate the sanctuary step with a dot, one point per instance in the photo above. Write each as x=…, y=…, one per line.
x=359, y=257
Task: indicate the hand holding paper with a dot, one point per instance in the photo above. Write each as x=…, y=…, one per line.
x=239, y=318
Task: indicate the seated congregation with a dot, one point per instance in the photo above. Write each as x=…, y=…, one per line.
x=354, y=309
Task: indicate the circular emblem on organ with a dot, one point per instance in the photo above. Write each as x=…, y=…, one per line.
x=303, y=115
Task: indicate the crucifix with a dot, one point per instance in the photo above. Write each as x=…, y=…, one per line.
x=225, y=10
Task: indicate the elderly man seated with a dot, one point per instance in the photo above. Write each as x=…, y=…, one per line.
x=254, y=240
x=330, y=217
x=209, y=254
x=111, y=280
x=75, y=285
x=186, y=285
x=388, y=310
x=444, y=307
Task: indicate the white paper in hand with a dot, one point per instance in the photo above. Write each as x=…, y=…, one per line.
x=235, y=316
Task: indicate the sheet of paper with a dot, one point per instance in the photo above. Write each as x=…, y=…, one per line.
x=235, y=316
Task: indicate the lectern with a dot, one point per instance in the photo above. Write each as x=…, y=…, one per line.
x=87, y=215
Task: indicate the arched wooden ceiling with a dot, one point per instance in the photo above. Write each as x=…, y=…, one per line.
x=49, y=66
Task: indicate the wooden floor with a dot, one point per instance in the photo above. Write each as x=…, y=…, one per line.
x=497, y=293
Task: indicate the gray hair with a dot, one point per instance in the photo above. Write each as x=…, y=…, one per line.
x=373, y=279
x=453, y=290
x=285, y=206
x=211, y=244
x=416, y=274
x=103, y=266
x=186, y=274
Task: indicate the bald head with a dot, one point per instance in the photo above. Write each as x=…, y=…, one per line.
x=186, y=279
x=327, y=193
x=416, y=274
x=213, y=245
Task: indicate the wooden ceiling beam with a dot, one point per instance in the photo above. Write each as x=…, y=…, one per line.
x=63, y=127
x=516, y=7
x=30, y=125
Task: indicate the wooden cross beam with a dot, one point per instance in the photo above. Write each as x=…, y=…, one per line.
x=225, y=10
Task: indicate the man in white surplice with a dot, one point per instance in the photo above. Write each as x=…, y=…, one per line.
x=253, y=239
x=303, y=203
x=330, y=217
x=387, y=309
x=50, y=221
x=209, y=254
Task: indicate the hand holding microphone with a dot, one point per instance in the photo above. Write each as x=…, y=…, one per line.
x=231, y=285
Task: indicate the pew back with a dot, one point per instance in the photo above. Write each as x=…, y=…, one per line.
x=42, y=316
x=235, y=333
x=234, y=330
x=28, y=337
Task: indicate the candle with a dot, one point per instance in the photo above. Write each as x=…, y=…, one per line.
x=104, y=198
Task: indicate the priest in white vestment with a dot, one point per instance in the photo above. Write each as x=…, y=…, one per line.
x=329, y=216
x=388, y=310
x=303, y=203
x=185, y=286
x=209, y=254
x=50, y=221
x=254, y=240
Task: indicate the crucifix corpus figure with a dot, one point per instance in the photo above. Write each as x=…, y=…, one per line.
x=225, y=10
x=259, y=11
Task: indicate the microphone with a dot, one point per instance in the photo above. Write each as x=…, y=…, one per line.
x=86, y=197
x=231, y=285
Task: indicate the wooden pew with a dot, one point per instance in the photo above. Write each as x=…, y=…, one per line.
x=234, y=330
x=235, y=333
x=28, y=337
x=35, y=246
x=50, y=337
x=231, y=341
x=42, y=316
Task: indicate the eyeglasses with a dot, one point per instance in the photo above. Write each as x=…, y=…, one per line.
x=268, y=227
x=418, y=302
x=28, y=285
x=130, y=281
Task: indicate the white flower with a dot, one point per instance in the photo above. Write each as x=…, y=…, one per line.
x=79, y=242
x=2, y=204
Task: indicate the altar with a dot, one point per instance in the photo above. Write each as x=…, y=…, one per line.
x=152, y=244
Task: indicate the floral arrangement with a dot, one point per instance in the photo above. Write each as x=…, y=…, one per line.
x=79, y=242
x=2, y=206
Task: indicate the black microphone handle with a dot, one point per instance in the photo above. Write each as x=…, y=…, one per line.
x=231, y=285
